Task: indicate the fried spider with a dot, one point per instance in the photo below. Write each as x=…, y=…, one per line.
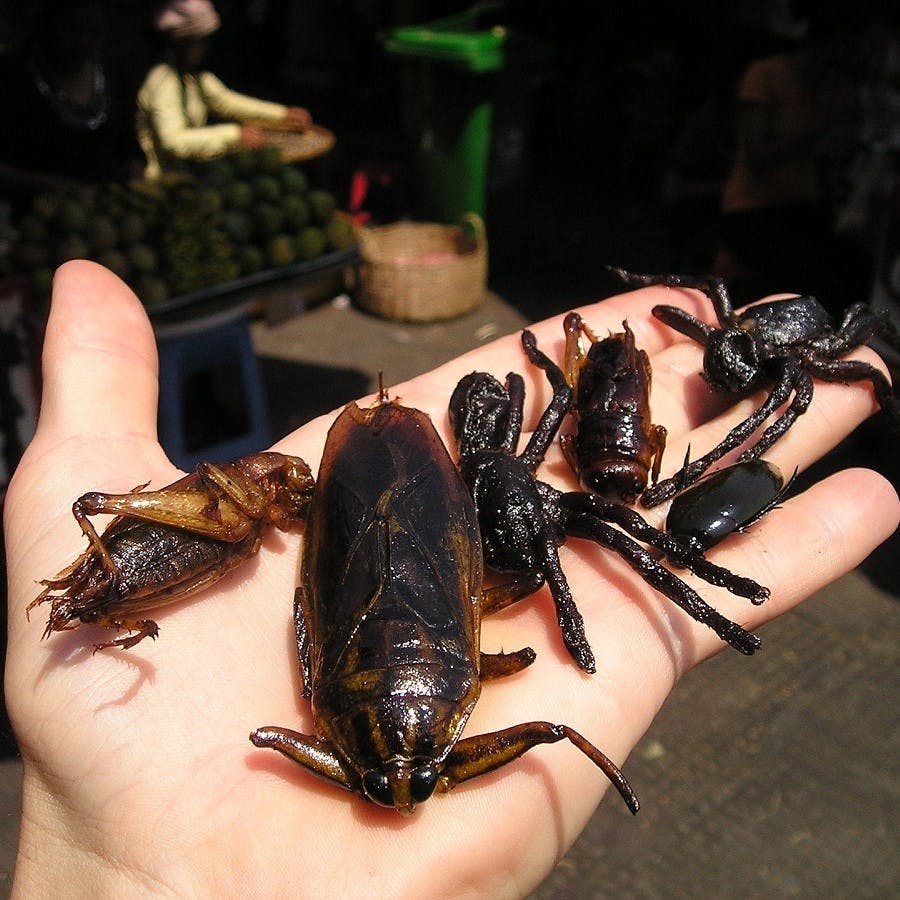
x=783, y=344
x=524, y=520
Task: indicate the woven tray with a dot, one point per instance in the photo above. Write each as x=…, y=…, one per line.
x=422, y=271
x=298, y=146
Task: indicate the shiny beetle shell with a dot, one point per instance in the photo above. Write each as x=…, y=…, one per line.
x=726, y=501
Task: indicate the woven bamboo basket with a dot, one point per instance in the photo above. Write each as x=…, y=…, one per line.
x=422, y=271
x=297, y=146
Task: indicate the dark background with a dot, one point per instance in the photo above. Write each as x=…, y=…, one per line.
x=605, y=100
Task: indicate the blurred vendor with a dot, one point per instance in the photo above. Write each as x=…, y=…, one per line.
x=66, y=108
x=178, y=98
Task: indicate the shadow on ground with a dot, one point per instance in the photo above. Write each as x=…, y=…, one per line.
x=297, y=392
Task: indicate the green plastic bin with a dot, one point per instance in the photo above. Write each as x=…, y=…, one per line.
x=449, y=78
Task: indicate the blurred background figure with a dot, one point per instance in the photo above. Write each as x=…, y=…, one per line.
x=797, y=129
x=695, y=172
x=185, y=113
x=67, y=113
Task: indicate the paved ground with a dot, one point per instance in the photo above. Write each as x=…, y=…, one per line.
x=767, y=777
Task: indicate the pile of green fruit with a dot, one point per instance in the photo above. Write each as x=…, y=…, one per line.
x=223, y=220
x=269, y=211
x=110, y=224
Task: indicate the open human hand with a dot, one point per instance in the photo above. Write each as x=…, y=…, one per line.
x=138, y=774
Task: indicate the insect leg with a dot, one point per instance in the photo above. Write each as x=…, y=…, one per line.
x=308, y=750
x=499, y=665
x=657, y=435
x=483, y=753
x=494, y=599
x=141, y=629
x=81, y=509
x=574, y=327
x=246, y=495
x=188, y=509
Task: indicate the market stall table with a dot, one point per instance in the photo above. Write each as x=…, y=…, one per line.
x=212, y=404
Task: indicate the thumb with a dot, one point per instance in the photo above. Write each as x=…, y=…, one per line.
x=100, y=369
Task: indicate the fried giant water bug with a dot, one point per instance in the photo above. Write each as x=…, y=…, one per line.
x=166, y=544
x=780, y=344
x=388, y=617
x=615, y=446
x=523, y=520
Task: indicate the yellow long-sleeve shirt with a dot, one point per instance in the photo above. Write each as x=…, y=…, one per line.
x=172, y=117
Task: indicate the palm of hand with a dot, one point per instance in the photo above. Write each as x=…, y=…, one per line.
x=143, y=756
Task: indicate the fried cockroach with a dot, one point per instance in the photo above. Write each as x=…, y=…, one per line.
x=388, y=618
x=166, y=544
x=615, y=446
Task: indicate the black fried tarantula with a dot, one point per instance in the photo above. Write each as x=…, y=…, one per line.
x=523, y=520
x=782, y=343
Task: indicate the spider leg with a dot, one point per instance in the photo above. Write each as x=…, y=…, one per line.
x=853, y=313
x=658, y=576
x=738, y=435
x=638, y=527
x=552, y=418
x=571, y=624
x=515, y=389
x=714, y=288
x=684, y=322
x=860, y=324
x=803, y=393
x=844, y=370
x=540, y=359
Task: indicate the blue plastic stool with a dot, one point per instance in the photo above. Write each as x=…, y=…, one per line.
x=212, y=404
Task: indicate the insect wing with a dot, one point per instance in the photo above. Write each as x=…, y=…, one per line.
x=616, y=373
x=393, y=561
